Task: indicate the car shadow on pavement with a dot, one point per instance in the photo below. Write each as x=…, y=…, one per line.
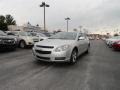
x=43, y=63
x=6, y=51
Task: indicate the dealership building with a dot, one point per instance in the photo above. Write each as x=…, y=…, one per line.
x=25, y=27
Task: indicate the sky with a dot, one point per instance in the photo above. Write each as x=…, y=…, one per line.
x=98, y=16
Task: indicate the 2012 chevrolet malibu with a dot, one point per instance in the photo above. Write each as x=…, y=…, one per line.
x=63, y=46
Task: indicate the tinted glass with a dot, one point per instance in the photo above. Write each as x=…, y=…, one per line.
x=42, y=35
x=65, y=35
x=23, y=33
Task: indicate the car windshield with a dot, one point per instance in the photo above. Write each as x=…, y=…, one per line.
x=42, y=35
x=47, y=34
x=25, y=34
x=29, y=34
x=64, y=35
x=2, y=33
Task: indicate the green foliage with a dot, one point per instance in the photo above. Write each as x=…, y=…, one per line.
x=5, y=21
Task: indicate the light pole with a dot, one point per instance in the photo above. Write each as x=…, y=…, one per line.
x=67, y=19
x=44, y=5
x=80, y=29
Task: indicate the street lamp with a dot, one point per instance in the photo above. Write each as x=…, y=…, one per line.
x=67, y=19
x=44, y=5
x=80, y=28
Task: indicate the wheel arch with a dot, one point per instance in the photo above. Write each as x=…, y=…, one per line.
x=75, y=48
x=21, y=41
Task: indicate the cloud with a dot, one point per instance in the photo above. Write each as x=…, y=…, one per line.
x=92, y=14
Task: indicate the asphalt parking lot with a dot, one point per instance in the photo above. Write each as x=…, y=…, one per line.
x=98, y=70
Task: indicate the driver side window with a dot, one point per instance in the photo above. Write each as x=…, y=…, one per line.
x=81, y=37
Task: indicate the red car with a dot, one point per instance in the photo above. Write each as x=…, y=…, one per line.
x=116, y=45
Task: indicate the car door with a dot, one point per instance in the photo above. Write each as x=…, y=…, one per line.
x=86, y=43
x=81, y=43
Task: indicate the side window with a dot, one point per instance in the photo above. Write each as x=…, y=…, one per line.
x=22, y=34
x=11, y=34
x=81, y=35
x=15, y=33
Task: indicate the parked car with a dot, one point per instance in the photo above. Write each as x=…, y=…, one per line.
x=48, y=34
x=116, y=45
x=40, y=35
x=11, y=34
x=25, y=38
x=103, y=38
x=63, y=46
x=111, y=40
x=7, y=42
x=91, y=38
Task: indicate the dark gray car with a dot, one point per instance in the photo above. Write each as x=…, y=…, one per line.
x=6, y=42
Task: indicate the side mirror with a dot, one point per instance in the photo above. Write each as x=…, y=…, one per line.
x=81, y=38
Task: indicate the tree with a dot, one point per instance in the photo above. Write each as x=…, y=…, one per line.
x=3, y=25
x=10, y=20
x=5, y=21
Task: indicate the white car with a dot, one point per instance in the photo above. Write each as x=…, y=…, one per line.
x=25, y=38
x=63, y=46
x=40, y=35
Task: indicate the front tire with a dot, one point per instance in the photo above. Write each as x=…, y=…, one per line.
x=87, y=51
x=73, y=58
x=22, y=44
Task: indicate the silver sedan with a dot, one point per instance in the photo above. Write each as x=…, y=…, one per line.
x=64, y=46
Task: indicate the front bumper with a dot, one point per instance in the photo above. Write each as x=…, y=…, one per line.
x=116, y=46
x=53, y=57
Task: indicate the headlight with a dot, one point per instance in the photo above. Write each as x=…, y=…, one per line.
x=62, y=48
x=15, y=39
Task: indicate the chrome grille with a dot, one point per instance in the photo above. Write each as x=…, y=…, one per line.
x=43, y=52
x=45, y=46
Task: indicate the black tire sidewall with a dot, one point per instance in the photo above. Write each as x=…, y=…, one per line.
x=71, y=59
x=23, y=43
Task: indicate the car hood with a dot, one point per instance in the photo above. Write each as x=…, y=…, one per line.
x=55, y=42
x=6, y=37
x=33, y=37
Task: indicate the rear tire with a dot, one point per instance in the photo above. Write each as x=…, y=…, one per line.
x=73, y=58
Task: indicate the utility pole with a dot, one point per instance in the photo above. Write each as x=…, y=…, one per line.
x=67, y=19
x=44, y=5
x=80, y=29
